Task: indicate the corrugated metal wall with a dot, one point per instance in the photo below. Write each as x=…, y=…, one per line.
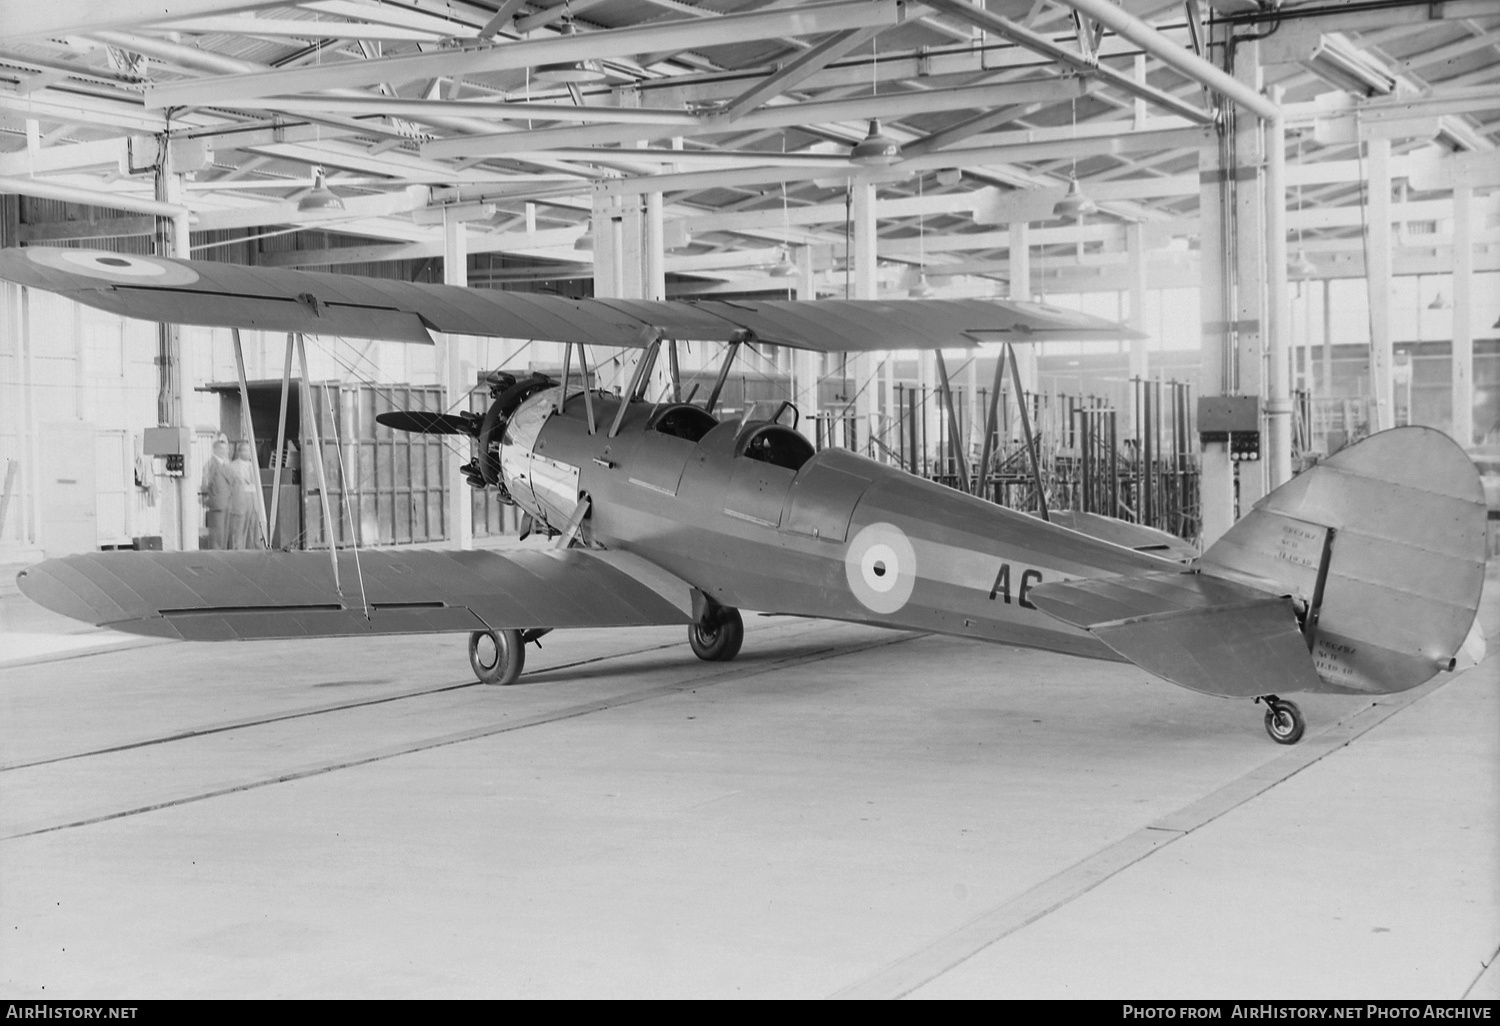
x=384, y=487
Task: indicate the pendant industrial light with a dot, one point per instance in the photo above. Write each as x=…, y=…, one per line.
x=1075, y=203
x=784, y=268
x=1440, y=302
x=585, y=242
x=921, y=290
x=319, y=197
x=570, y=72
x=876, y=149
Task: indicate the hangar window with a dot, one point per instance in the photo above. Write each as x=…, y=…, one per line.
x=683, y=421
x=780, y=446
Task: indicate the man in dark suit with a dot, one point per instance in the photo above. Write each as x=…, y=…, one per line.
x=217, y=490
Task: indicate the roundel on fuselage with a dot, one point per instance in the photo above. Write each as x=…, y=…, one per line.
x=881, y=567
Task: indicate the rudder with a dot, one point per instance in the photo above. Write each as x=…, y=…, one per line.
x=1382, y=546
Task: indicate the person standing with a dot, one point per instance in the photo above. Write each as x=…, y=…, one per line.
x=216, y=489
x=244, y=525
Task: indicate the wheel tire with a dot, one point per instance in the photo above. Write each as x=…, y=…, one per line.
x=1284, y=723
x=498, y=657
x=719, y=640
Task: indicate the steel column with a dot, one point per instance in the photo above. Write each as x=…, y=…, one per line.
x=1278, y=445
x=1379, y=277
x=1463, y=327
x=458, y=519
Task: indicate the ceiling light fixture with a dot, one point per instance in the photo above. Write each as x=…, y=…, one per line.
x=585, y=242
x=570, y=72
x=1350, y=68
x=1076, y=203
x=1458, y=135
x=319, y=197
x=876, y=149
x=783, y=268
x=921, y=290
x=1440, y=302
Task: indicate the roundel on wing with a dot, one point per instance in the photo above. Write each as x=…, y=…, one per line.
x=117, y=268
x=881, y=567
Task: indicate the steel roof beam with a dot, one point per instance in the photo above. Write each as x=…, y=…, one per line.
x=480, y=109
x=449, y=22
x=290, y=28
x=78, y=109
x=968, y=128
x=798, y=70
x=1183, y=61
x=553, y=14
x=514, y=56
x=176, y=53
x=1182, y=138
x=967, y=62
x=1089, y=66
x=790, y=115
x=26, y=19
x=502, y=17
x=44, y=189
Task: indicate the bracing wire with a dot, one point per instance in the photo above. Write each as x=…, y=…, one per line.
x=354, y=527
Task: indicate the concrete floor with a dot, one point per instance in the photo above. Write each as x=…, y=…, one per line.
x=840, y=811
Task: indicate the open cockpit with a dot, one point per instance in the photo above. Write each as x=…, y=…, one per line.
x=683, y=420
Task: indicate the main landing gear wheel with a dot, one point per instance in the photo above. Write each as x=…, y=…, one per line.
x=497, y=656
x=718, y=636
x=1284, y=720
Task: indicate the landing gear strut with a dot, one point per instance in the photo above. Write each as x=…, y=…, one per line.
x=1284, y=720
x=497, y=656
x=718, y=634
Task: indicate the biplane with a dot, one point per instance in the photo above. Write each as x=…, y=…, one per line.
x=1360, y=576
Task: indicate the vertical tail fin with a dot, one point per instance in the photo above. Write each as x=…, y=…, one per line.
x=1383, y=544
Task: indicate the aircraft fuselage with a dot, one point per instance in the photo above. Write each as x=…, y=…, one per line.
x=753, y=520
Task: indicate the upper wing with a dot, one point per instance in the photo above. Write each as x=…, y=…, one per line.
x=275, y=299
x=225, y=596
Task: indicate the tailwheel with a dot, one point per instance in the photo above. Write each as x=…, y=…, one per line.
x=497, y=656
x=1284, y=720
x=717, y=637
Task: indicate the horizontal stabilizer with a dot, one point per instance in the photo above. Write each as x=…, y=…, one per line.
x=1121, y=532
x=1214, y=636
x=228, y=596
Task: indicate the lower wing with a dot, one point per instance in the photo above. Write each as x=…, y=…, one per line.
x=228, y=596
